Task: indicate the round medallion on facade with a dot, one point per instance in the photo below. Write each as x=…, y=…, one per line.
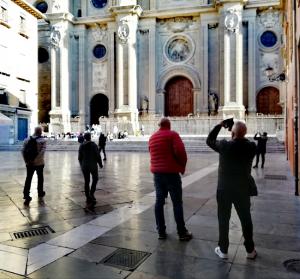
x=268, y=39
x=123, y=31
x=231, y=21
x=99, y=4
x=99, y=51
x=42, y=6
x=179, y=49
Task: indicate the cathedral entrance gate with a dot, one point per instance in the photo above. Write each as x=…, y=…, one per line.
x=267, y=101
x=98, y=108
x=179, y=97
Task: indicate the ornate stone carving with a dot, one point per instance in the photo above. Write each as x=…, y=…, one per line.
x=123, y=32
x=55, y=37
x=99, y=33
x=179, y=49
x=100, y=76
x=177, y=24
x=232, y=19
x=269, y=19
x=56, y=5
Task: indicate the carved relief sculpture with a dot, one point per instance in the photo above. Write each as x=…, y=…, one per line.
x=231, y=20
x=178, y=49
x=55, y=37
x=123, y=32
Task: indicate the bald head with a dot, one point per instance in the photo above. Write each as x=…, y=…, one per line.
x=164, y=123
x=239, y=130
x=38, y=131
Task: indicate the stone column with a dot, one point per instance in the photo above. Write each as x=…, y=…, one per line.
x=152, y=64
x=233, y=59
x=111, y=26
x=252, y=63
x=82, y=78
x=127, y=19
x=197, y=101
x=202, y=106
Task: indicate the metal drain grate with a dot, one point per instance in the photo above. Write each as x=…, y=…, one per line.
x=33, y=232
x=126, y=259
x=275, y=177
x=292, y=265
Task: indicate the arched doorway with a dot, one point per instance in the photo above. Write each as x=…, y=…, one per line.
x=99, y=107
x=179, y=100
x=267, y=101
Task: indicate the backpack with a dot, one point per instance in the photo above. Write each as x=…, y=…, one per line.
x=30, y=150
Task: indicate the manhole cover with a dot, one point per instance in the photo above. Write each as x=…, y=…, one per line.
x=275, y=177
x=126, y=259
x=292, y=265
x=32, y=232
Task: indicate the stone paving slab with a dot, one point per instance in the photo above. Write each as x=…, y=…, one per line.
x=125, y=207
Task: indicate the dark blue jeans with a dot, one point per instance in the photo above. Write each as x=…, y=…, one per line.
x=164, y=183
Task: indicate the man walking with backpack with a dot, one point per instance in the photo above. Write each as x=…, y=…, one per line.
x=33, y=153
x=89, y=158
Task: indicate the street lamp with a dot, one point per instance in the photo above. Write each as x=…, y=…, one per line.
x=269, y=71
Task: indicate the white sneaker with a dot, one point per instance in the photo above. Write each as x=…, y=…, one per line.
x=252, y=255
x=220, y=253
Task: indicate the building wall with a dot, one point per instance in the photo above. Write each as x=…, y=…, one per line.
x=18, y=67
x=160, y=26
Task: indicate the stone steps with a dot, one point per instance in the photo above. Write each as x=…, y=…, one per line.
x=192, y=144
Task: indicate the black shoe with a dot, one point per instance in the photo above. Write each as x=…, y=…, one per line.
x=162, y=235
x=27, y=200
x=42, y=194
x=186, y=236
x=255, y=167
x=104, y=159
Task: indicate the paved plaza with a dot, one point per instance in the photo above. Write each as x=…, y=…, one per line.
x=124, y=218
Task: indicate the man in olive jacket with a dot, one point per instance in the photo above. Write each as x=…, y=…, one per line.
x=234, y=178
x=89, y=157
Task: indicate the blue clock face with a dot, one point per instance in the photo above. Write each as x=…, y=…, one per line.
x=268, y=39
x=99, y=4
x=42, y=6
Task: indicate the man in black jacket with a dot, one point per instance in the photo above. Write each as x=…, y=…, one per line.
x=89, y=157
x=261, y=148
x=234, y=178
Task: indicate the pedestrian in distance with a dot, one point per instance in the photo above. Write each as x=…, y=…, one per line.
x=33, y=152
x=261, y=148
x=102, y=144
x=80, y=138
x=168, y=161
x=89, y=159
x=235, y=184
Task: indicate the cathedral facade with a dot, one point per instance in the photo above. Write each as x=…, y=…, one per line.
x=127, y=59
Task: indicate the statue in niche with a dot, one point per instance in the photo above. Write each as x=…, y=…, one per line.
x=145, y=105
x=213, y=103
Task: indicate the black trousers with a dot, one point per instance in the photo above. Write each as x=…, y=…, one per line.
x=40, y=175
x=87, y=173
x=262, y=158
x=102, y=148
x=242, y=204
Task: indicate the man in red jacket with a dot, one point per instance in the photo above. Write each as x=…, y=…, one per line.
x=168, y=160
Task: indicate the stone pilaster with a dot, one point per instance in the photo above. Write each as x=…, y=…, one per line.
x=231, y=21
x=127, y=18
x=82, y=78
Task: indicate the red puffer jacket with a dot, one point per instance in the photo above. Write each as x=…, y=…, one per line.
x=167, y=152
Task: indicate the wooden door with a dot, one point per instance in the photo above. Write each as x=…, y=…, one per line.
x=179, y=99
x=267, y=101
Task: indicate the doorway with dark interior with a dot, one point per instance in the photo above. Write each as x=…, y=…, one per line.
x=98, y=107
